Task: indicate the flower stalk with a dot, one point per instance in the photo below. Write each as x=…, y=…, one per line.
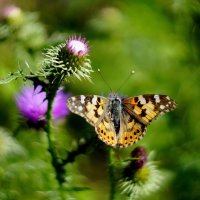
x=111, y=175
x=59, y=170
x=45, y=98
x=61, y=63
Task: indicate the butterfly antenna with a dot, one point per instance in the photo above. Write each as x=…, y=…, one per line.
x=104, y=79
x=128, y=77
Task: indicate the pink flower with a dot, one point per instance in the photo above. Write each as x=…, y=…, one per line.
x=11, y=11
x=77, y=46
x=32, y=104
x=60, y=109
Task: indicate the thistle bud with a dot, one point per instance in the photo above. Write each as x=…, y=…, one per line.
x=140, y=155
x=13, y=14
x=140, y=177
x=69, y=59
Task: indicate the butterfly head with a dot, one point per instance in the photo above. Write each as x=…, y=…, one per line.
x=113, y=95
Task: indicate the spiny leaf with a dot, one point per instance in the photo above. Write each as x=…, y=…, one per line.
x=11, y=77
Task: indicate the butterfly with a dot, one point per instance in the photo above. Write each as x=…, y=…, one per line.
x=120, y=121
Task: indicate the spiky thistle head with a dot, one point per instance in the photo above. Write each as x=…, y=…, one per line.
x=140, y=177
x=69, y=59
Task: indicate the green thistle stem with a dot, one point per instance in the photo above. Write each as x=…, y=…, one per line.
x=111, y=175
x=59, y=169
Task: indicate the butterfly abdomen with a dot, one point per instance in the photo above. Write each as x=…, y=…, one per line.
x=115, y=112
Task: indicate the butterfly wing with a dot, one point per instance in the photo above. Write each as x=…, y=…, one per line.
x=105, y=130
x=147, y=107
x=131, y=130
x=138, y=112
x=94, y=109
x=90, y=107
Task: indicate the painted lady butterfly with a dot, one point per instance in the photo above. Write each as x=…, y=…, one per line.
x=120, y=122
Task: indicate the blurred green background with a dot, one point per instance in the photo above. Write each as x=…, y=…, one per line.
x=158, y=39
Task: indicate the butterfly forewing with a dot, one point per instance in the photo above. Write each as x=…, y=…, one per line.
x=90, y=107
x=147, y=107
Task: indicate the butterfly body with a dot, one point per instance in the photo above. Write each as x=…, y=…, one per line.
x=120, y=121
x=115, y=108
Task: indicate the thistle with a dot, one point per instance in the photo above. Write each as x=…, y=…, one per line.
x=13, y=14
x=61, y=62
x=140, y=177
x=32, y=105
x=68, y=59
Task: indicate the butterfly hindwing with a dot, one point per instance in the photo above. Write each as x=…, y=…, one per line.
x=147, y=107
x=106, y=131
x=131, y=130
x=90, y=107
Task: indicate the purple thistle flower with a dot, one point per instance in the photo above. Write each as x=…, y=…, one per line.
x=70, y=59
x=77, y=46
x=32, y=104
x=60, y=109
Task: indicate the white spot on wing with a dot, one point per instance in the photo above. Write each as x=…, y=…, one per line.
x=142, y=99
x=94, y=100
x=157, y=98
x=82, y=99
x=162, y=107
x=73, y=98
x=80, y=108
